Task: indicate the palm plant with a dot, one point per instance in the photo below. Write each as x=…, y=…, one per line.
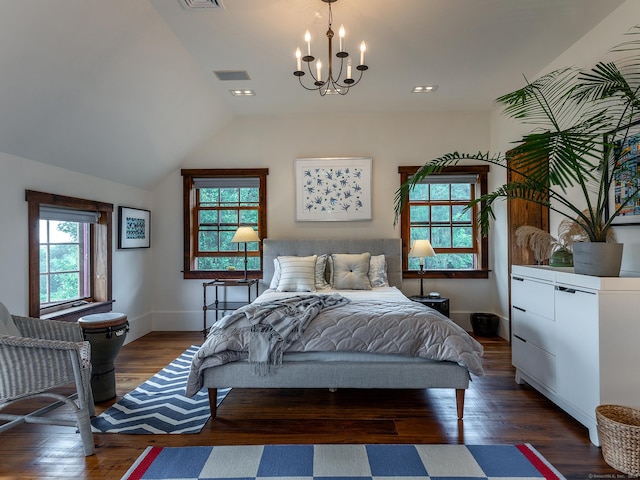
x=580, y=120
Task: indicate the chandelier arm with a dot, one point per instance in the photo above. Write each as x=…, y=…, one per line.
x=305, y=87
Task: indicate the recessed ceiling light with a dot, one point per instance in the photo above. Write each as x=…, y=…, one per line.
x=424, y=88
x=243, y=93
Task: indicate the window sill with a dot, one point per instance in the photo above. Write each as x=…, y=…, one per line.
x=72, y=314
x=447, y=274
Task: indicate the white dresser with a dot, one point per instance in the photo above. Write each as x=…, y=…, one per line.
x=576, y=338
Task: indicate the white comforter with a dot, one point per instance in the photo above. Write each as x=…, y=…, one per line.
x=381, y=321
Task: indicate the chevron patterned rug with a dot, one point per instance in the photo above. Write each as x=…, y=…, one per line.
x=159, y=405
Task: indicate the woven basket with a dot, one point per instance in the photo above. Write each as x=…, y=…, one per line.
x=619, y=432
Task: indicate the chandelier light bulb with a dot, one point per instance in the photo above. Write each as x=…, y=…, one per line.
x=307, y=38
x=341, y=35
x=363, y=48
x=298, y=59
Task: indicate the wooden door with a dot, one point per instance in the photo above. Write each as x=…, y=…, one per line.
x=521, y=212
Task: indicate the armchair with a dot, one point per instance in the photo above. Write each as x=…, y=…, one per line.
x=36, y=357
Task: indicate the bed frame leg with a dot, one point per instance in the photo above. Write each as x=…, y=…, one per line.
x=460, y=402
x=213, y=401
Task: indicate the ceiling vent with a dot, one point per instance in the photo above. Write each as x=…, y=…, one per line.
x=230, y=75
x=198, y=4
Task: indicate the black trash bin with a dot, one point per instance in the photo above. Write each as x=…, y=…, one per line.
x=485, y=324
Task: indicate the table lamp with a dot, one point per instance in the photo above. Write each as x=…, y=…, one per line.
x=245, y=235
x=421, y=249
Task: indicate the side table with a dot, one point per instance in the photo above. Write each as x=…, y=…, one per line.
x=218, y=305
x=440, y=304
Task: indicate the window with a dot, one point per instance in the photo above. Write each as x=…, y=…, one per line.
x=69, y=253
x=435, y=211
x=216, y=203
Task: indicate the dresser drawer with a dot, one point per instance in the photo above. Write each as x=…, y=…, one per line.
x=534, y=328
x=535, y=362
x=532, y=296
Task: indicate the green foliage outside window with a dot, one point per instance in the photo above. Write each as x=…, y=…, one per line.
x=437, y=213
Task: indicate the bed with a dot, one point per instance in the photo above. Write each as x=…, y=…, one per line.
x=310, y=360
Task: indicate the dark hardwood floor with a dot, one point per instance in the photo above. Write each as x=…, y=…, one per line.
x=497, y=410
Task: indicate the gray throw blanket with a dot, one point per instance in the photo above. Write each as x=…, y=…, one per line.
x=273, y=326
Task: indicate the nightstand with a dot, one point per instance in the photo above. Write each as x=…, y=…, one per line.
x=220, y=306
x=440, y=304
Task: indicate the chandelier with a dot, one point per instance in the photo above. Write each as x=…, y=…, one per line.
x=332, y=83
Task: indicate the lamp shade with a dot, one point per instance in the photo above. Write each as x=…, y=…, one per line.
x=245, y=234
x=421, y=248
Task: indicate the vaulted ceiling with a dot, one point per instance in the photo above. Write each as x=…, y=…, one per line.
x=125, y=89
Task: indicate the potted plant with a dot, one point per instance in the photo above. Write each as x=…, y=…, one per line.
x=584, y=138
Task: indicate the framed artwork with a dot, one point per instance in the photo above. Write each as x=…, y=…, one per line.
x=626, y=179
x=333, y=189
x=133, y=228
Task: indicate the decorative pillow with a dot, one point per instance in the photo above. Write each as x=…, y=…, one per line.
x=7, y=325
x=378, y=271
x=321, y=271
x=297, y=274
x=350, y=271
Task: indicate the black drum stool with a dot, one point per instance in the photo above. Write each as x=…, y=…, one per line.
x=106, y=333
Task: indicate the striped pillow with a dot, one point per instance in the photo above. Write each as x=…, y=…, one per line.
x=297, y=274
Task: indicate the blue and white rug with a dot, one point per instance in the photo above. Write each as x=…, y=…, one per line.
x=344, y=462
x=159, y=404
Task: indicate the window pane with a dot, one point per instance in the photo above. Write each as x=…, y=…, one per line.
x=419, y=192
x=462, y=237
x=208, y=240
x=419, y=233
x=229, y=216
x=225, y=241
x=419, y=213
x=208, y=196
x=451, y=261
x=208, y=216
x=249, y=217
x=461, y=191
x=440, y=213
x=44, y=231
x=249, y=196
x=439, y=191
x=460, y=214
x=440, y=237
x=44, y=263
x=44, y=288
x=229, y=196
x=64, y=286
x=64, y=258
x=63, y=232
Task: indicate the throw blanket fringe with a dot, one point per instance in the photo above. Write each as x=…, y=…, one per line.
x=274, y=326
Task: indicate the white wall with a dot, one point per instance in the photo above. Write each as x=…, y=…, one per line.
x=584, y=54
x=131, y=268
x=275, y=142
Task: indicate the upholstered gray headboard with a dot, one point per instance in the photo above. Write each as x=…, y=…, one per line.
x=390, y=247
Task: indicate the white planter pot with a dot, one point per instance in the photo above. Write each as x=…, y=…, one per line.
x=598, y=259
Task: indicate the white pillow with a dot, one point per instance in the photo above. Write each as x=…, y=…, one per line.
x=351, y=271
x=378, y=271
x=297, y=274
x=320, y=273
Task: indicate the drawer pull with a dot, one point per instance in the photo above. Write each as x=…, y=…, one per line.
x=518, y=308
x=565, y=289
x=519, y=279
x=519, y=338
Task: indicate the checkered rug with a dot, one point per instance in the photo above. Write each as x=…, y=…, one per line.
x=346, y=462
x=159, y=404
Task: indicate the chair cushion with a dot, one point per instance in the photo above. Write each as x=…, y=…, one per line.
x=7, y=325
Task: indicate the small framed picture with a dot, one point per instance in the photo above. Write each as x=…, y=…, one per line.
x=133, y=228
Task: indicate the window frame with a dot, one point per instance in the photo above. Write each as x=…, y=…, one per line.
x=190, y=221
x=101, y=243
x=482, y=242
